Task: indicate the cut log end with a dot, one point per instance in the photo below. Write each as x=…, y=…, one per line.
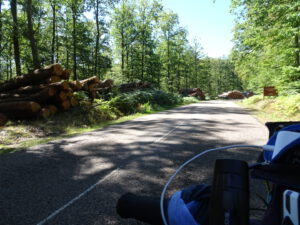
x=35, y=107
x=45, y=113
x=3, y=119
x=53, y=109
x=66, y=74
x=65, y=105
x=75, y=85
x=56, y=69
x=74, y=101
x=48, y=111
x=53, y=79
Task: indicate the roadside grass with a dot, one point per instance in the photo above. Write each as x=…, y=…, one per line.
x=23, y=134
x=272, y=109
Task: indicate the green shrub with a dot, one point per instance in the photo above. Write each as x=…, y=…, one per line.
x=81, y=95
x=146, y=108
x=142, y=97
x=126, y=104
x=131, y=102
x=106, y=112
x=166, y=99
x=288, y=105
x=252, y=100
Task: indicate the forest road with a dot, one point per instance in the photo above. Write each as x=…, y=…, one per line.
x=77, y=181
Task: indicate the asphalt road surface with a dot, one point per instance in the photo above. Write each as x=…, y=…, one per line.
x=77, y=181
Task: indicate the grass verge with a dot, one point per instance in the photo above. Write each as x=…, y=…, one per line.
x=272, y=109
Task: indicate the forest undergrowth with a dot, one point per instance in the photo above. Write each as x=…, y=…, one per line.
x=271, y=109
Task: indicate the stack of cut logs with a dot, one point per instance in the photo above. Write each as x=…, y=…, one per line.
x=193, y=92
x=134, y=86
x=232, y=95
x=105, y=87
x=41, y=93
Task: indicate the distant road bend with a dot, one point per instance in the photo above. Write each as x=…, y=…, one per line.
x=77, y=181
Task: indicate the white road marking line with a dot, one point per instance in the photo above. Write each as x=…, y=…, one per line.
x=99, y=182
x=167, y=134
x=77, y=198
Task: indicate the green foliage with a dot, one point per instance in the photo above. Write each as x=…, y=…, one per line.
x=253, y=100
x=190, y=100
x=283, y=108
x=289, y=105
x=128, y=40
x=289, y=83
x=132, y=102
x=146, y=108
x=125, y=104
x=81, y=95
x=105, y=111
x=266, y=50
x=166, y=99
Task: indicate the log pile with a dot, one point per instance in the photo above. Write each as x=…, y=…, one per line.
x=105, y=87
x=248, y=94
x=42, y=93
x=129, y=87
x=193, y=92
x=231, y=95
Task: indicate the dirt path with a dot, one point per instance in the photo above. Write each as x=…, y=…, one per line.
x=78, y=180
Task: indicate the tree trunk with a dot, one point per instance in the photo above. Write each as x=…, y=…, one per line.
x=67, y=47
x=297, y=51
x=7, y=68
x=122, y=53
x=168, y=64
x=57, y=49
x=1, y=37
x=97, y=38
x=74, y=12
x=143, y=59
x=10, y=62
x=1, y=25
x=13, y=7
x=32, y=40
x=53, y=31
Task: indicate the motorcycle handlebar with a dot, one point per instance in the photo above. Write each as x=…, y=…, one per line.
x=142, y=208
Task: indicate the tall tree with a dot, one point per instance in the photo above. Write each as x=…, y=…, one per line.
x=98, y=23
x=31, y=35
x=77, y=8
x=54, y=45
x=1, y=26
x=266, y=50
x=125, y=34
x=148, y=12
x=101, y=10
x=1, y=37
x=169, y=29
x=74, y=10
x=13, y=7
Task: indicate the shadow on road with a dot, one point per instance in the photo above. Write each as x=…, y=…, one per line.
x=38, y=181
